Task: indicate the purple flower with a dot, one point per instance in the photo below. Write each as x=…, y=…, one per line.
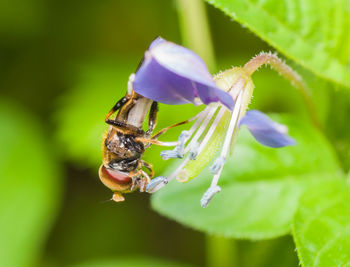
x=215, y=130
x=172, y=74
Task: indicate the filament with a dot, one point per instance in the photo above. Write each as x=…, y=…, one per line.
x=227, y=141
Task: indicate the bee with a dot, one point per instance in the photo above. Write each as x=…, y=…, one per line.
x=123, y=170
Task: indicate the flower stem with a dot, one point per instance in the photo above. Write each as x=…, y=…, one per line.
x=221, y=252
x=277, y=64
x=195, y=29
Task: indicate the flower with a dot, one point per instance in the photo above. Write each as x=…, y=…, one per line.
x=172, y=74
x=215, y=129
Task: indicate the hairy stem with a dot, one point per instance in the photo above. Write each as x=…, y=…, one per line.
x=289, y=74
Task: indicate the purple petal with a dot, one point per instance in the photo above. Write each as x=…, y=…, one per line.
x=156, y=42
x=173, y=74
x=266, y=131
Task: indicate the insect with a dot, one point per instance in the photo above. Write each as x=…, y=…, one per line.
x=123, y=170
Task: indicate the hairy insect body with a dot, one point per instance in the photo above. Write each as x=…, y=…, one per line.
x=122, y=152
x=124, y=144
x=123, y=170
x=121, y=156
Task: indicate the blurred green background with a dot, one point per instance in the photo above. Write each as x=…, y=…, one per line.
x=63, y=66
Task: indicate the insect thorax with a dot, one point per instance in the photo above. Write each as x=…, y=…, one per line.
x=122, y=152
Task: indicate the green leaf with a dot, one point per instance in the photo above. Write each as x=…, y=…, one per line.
x=260, y=187
x=135, y=261
x=314, y=33
x=321, y=227
x=339, y=132
x=29, y=187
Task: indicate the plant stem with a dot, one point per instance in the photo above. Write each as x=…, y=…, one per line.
x=221, y=252
x=289, y=74
x=195, y=29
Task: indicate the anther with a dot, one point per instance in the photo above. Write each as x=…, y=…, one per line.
x=156, y=184
x=178, y=151
x=208, y=195
x=182, y=140
x=194, y=151
x=170, y=154
x=217, y=165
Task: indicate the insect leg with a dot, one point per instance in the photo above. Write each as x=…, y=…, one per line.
x=116, y=107
x=124, y=105
x=154, y=142
x=145, y=180
x=168, y=128
x=149, y=167
x=152, y=118
x=140, y=179
x=135, y=179
x=124, y=128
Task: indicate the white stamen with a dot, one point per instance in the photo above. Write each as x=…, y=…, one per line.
x=182, y=140
x=170, y=154
x=203, y=142
x=200, y=118
x=205, y=115
x=211, y=130
x=194, y=149
x=227, y=141
x=201, y=128
x=178, y=151
x=217, y=165
x=156, y=184
x=208, y=195
x=168, y=143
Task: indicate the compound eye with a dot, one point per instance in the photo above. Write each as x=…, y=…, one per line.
x=115, y=180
